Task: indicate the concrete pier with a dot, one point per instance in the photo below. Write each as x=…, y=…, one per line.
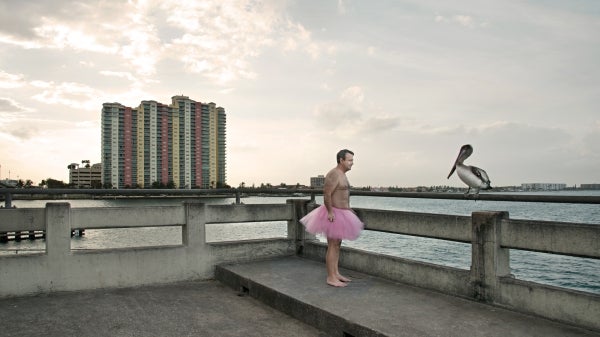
x=103, y=292
x=276, y=297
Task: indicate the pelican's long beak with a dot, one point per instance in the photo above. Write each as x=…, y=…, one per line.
x=464, y=153
x=452, y=171
x=455, y=162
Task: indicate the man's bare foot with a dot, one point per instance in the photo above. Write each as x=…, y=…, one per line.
x=343, y=278
x=336, y=283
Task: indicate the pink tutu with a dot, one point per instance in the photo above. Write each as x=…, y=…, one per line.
x=346, y=225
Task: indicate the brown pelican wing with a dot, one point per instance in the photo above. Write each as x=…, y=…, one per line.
x=480, y=174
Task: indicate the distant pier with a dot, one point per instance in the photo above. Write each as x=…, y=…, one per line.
x=5, y=237
x=19, y=236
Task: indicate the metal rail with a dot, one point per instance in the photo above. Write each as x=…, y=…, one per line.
x=238, y=193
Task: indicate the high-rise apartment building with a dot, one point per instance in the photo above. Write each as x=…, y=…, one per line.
x=181, y=145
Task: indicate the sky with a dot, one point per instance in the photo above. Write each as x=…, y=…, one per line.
x=403, y=83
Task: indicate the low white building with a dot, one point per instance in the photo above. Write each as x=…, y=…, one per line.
x=8, y=183
x=317, y=182
x=543, y=186
x=86, y=176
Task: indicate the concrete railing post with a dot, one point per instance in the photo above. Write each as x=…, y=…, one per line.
x=58, y=245
x=489, y=260
x=295, y=228
x=238, y=197
x=7, y=200
x=199, y=260
x=194, y=231
x=58, y=230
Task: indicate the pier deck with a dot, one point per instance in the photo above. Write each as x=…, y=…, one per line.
x=295, y=286
x=370, y=306
x=202, y=308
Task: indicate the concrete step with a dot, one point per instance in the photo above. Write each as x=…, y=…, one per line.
x=371, y=306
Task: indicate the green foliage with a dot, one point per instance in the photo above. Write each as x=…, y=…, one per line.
x=53, y=183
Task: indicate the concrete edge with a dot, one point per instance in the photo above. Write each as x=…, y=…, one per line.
x=324, y=320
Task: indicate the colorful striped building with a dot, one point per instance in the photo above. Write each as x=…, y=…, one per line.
x=181, y=145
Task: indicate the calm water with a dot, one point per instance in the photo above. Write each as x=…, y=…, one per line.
x=564, y=271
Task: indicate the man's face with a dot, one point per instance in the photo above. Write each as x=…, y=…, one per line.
x=347, y=162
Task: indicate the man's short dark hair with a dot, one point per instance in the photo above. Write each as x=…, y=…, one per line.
x=342, y=155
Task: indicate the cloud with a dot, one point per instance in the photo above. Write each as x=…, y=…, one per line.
x=461, y=20
x=341, y=7
x=42, y=152
x=111, y=28
x=387, y=80
x=8, y=105
x=351, y=115
x=22, y=132
x=27, y=128
x=353, y=95
x=74, y=95
x=16, y=20
x=11, y=119
x=120, y=74
x=590, y=143
x=214, y=38
x=11, y=81
x=220, y=39
x=58, y=35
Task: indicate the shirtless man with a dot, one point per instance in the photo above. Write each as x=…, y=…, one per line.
x=335, y=219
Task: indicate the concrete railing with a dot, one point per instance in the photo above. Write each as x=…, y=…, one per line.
x=491, y=235
x=60, y=268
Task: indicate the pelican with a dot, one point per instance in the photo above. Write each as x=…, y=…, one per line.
x=474, y=177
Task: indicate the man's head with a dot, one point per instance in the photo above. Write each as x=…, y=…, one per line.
x=345, y=159
x=342, y=155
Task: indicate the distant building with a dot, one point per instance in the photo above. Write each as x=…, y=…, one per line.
x=380, y=189
x=543, y=187
x=86, y=176
x=317, y=182
x=8, y=183
x=181, y=145
x=590, y=186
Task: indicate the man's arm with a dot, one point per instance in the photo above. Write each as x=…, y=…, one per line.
x=331, y=182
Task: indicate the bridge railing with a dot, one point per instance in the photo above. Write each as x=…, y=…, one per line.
x=490, y=234
x=8, y=194
x=60, y=268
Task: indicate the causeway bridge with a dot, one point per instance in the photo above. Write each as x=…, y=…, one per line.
x=275, y=287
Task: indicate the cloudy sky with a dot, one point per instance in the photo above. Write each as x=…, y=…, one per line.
x=402, y=83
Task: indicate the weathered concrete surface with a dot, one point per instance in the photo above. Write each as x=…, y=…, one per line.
x=203, y=308
x=370, y=306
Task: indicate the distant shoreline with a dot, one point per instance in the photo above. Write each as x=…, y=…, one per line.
x=142, y=196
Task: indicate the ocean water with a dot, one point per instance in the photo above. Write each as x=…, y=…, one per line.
x=563, y=271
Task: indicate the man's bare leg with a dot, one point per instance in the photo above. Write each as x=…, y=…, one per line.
x=337, y=271
x=331, y=262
